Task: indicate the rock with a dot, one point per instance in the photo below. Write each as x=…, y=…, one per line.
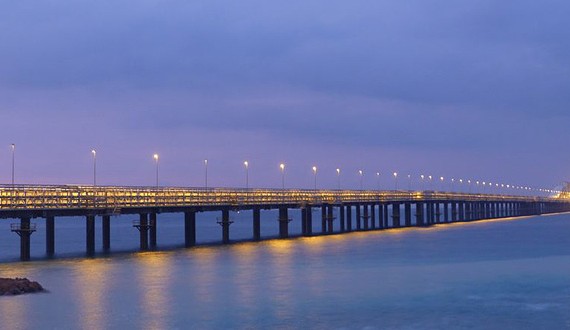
x=16, y=286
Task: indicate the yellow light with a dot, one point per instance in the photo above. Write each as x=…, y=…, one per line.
x=155, y=156
x=314, y=169
x=282, y=166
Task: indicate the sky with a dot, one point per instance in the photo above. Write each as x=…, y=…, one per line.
x=461, y=89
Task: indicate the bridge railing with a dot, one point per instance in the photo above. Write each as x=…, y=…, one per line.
x=112, y=197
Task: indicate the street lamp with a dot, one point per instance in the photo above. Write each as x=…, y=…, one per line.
x=206, y=173
x=423, y=177
x=396, y=180
x=13, y=146
x=246, y=164
x=361, y=174
x=338, y=177
x=409, y=182
x=282, y=167
x=441, y=180
x=315, y=174
x=94, y=153
x=378, y=180
x=155, y=156
x=430, y=182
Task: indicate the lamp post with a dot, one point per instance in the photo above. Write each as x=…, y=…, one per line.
x=246, y=164
x=469, y=185
x=282, y=167
x=395, y=180
x=423, y=185
x=409, y=182
x=452, y=182
x=155, y=156
x=338, y=178
x=13, y=146
x=441, y=181
x=361, y=174
x=206, y=173
x=94, y=153
x=378, y=180
x=430, y=182
x=315, y=175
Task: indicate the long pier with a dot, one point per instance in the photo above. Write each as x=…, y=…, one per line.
x=357, y=210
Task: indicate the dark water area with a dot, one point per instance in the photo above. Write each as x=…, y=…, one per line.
x=512, y=273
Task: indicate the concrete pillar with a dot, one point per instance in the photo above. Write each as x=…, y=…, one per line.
x=304, y=221
x=309, y=220
x=373, y=216
x=385, y=210
x=330, y=219
x=420, y=214
x=90, y=235
x=429, y=214
x=152, y=230
x=396, y=214
x=358, y=219
x=106, y=232
x=257, y=223
x=50, y=236
x=408, y=214
x=467, y=211
x=25, y=231
x=143, y=231
x=190, y=228
x=349, y=218
x=453, y=211
x=342, y=218
x=323, y=219
x=461, y=211
x=437, y=213
x=225, y=223
x=445, y=212
x=283, y=222
x=381, y=221
x=365, y=217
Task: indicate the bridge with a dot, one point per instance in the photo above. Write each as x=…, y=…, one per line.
x=358, y=210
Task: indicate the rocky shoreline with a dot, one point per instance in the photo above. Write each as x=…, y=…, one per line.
x=17, y=286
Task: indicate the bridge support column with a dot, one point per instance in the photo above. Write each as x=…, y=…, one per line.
x=358, y=219
x=143, y=227
x=50, y=236
x=445, y=212
x=330, y=219
x=309, y=220
x=152, y=230
x=453, y=211
x=408, y=214
x=189, y=228
x=349, y=218
x=257, y=224
x=468, y=211
x=420, y=214
x=106, y=232
x=372, y=216
x=342, y=218
x=323, y=219
x=90, y=235
x=396, y=215
x=283, y=222
x=461, y=211
x=24, y=229
x=385, y=210
x=225, y=224
x=437, y=213
x=381, y=220
x=429, y=214
x=365, y=217
x=304, y=221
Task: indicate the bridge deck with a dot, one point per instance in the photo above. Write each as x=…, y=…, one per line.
x=66, y=197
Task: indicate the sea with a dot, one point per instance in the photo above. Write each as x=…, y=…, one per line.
x=511, y=273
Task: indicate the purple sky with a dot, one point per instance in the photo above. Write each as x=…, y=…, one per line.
x=466, y=89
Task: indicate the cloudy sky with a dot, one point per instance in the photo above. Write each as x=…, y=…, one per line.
x=466, y=89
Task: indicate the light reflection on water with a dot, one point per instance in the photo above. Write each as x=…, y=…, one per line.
x=493, y=274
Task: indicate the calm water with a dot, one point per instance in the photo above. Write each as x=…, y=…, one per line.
x=493, y=275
